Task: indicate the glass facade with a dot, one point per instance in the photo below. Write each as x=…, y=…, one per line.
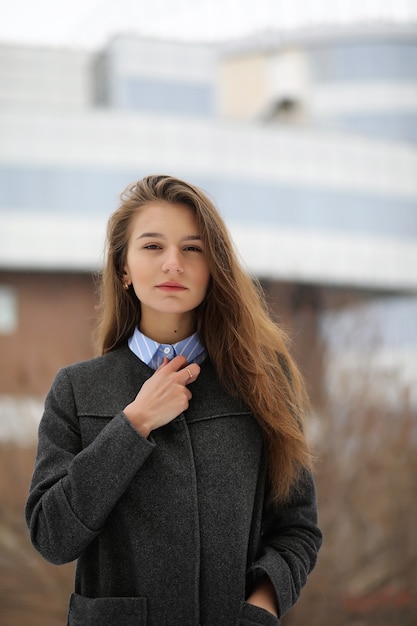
x=363, y=61
x=95, y=192
x=157, y=96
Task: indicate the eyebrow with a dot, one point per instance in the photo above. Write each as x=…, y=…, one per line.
x=161, y=235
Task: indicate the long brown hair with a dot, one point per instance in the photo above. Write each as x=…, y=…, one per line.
x=249, y=351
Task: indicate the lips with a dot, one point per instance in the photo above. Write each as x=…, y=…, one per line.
x=171, y=286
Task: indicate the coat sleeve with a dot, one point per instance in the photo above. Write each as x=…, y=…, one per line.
x=290, y=541
x=73, y=490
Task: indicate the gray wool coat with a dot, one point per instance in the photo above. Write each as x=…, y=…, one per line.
x=172, y=530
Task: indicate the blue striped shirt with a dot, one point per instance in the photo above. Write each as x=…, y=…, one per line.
x=152, y=353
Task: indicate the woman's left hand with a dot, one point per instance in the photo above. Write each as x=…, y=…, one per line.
x=264, y=596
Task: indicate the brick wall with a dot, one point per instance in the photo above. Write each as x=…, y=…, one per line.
x=54, y=324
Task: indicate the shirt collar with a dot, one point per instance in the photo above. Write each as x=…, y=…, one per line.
x=152, y=353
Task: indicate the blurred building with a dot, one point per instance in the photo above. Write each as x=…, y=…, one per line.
x=307, y=143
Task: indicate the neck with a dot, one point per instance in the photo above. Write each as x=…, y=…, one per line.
x=167, y=329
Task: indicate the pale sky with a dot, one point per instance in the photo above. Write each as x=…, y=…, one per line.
x=90, y=23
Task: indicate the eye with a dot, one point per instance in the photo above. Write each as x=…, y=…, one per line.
x=193, y=249
x=152, y=246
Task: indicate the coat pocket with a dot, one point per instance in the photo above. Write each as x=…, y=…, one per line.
x=250, y=615
x=106, y=611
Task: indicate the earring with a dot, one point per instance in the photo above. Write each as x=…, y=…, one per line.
x=125, y=286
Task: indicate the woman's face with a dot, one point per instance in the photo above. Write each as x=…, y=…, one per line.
x=166, y=262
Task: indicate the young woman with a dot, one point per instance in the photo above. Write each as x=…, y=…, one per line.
x=174, y=466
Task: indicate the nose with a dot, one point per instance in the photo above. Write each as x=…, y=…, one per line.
x=172, y=262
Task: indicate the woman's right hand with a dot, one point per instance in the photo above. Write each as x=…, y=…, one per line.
x=163, y=396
